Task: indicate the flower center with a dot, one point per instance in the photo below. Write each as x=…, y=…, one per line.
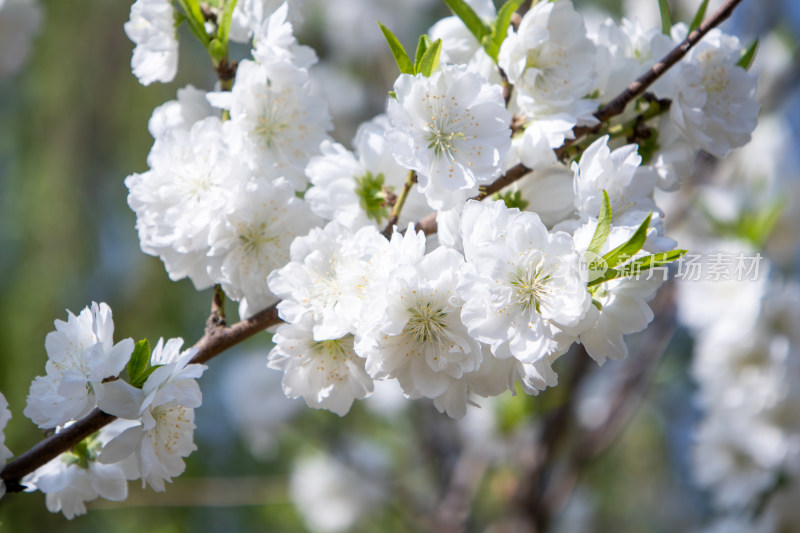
x=252, y=237
x=440, y=140
x=426, y=323
x=269, y=125
x=529, y=284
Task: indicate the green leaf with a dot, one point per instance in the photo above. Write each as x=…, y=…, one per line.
x=639, y=265
x=139, y=364
x=471, y=20
x=748, y=56
x=371, y=197
x=399, y=53
x=422, y=45
x=195, y=20
x=512, y=199
x=757, y=225
x=224, y=23
x=666, y=18
x=603, y=229
x=625, y=251
x=500, y=27
x=699, y=16
x=430, y=60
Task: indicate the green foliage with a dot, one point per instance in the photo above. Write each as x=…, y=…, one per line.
x=699, y=16
x=371, y=196
x=511, y=199
x=139, y=367
x=426, y=57
x=471, y=20
x=603, y=229
x=666, y=18
x=399, y=53
x=752, y=225
x=604, y=267
x=748, y=55
x=500, y=28
x=625, y=251
x=639, y=265
x=428, y=60
x=195, y=20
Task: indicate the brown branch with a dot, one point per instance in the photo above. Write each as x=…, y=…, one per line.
x=216, y=339
x=638, y=87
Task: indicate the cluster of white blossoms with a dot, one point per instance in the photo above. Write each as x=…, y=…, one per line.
x=504, y=292
x=153, y=394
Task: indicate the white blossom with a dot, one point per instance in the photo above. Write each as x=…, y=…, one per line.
x=75, y=477
x=713, y=99
x=160, y=416
x=154, y=448
x=525, y=288
x=452, y=129
x=330, y=496
x=623, y=301
x=327, y=277
x=327, y=374
x=549, y=58
x=190, y=107
x=617, y=173
x=152, y=28
x=349, y=187
x=250, y=15
x=19, y=22
x=5, y=453
x=415, y=332
x=81, y=354
x=253, y=238
x=186, y=191
x=276, y=48
x=276, y=125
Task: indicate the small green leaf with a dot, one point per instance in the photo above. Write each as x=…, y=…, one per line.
x=139, y=363
x=393, y=94
x=430, y=60
x=471, y=20
x=217, y=50
x=399, y=53
x=371, y=197
x=224, y=23
x=512, y=199
x=500, y=27
x=639, y=265
x=748, y=56
x=603, y=229
x=195, y=19
x=422, y=45
x=150, y=369
x=666, y=18
x=625, y=251
x=699, y=16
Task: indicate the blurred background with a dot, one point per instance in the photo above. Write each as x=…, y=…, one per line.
x=74, y=125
